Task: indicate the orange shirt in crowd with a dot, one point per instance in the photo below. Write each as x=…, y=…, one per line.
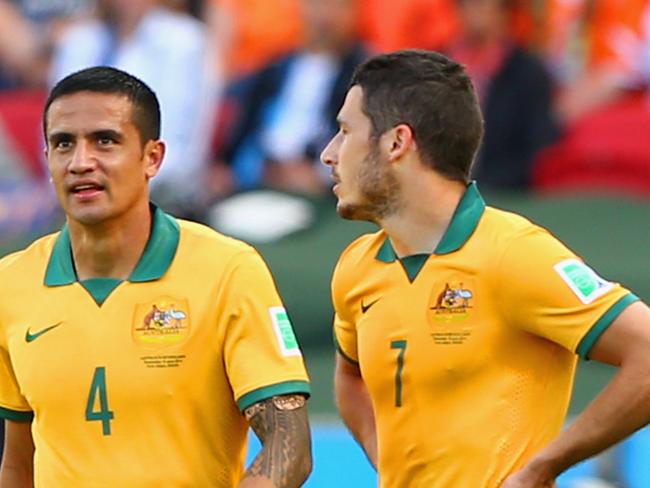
x=602, y=32
x=261, y=30
x=414, y=23
x=615, y=27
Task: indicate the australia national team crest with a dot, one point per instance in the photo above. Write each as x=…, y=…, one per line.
x=453, y=302
x=164, y=321
x=449, y=312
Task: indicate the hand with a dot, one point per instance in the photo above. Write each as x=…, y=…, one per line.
x=527, y=478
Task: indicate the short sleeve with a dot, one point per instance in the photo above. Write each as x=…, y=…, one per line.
x=545, y=289
x=262, y=355
x=345, y=332
x=13, y=405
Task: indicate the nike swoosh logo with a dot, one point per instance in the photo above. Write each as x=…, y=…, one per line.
x=29, y=337
x=365, y=308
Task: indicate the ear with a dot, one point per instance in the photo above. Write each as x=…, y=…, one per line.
x=153, y=154
x=46, y=153
x=398, y=141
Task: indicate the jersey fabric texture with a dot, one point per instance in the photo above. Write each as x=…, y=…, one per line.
x=469, y=353
x=141, y=383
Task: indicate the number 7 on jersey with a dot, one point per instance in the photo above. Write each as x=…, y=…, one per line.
x=401, y=345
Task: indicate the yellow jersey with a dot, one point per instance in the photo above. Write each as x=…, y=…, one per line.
x=469, y=353
x=141, y=383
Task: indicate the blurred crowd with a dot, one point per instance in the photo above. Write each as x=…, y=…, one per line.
x=250, y=89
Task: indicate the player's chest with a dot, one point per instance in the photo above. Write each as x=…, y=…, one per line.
x=442, y=323
x=144, y=333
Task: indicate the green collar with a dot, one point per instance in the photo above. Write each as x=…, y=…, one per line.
x=463, y=224
x=155, y=261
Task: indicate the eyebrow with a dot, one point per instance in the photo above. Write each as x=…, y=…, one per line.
x=107, y=134
x=97, y=134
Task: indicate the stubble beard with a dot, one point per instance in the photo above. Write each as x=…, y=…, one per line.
x=378, y=188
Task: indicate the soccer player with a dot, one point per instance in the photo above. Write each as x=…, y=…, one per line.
x=135, y=348
x=459, y=325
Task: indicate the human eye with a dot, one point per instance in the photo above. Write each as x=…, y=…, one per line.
x=105, y=141
x=61, y=143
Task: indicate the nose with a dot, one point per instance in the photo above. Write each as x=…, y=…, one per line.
x=82, y=159
x=329, y=154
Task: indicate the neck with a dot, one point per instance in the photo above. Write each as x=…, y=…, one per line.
x=110, y=249
x=424, y=214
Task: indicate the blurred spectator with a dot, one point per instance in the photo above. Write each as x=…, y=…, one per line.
x=196, y=8
x=27, y=203
x=426, y=24
x=607, y=109
x=20, y=48
x=46, y=11
x=286, y=112
x=514, y=89
x=28, y=29
x=593, y=49
x=170, y=51
x=252, y=33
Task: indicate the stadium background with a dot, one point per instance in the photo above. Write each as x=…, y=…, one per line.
x=601, y=207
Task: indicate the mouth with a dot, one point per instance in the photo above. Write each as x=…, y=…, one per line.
x=337, y=182
x=86, y=191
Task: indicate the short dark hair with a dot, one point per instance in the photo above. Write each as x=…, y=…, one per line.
x=434, y=96
x=104, y=79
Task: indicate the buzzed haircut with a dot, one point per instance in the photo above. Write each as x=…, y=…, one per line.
x=104, y=79
x=431, y=94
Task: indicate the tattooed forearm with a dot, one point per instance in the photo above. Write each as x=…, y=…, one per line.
x=283, y=428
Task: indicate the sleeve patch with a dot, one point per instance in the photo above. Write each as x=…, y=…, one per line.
x=583, y=281
x=284, y=332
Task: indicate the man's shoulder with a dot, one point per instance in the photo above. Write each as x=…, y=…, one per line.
x=363, y=249
x=507, y=223
x=199, y=241
x=506, y=229
x=32, y=258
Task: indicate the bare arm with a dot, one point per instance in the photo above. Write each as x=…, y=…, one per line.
x=282, y=426
x=354, y=405
x=620, y=409
x=18, y=457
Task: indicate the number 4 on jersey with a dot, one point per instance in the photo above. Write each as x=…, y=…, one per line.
x=98, y=387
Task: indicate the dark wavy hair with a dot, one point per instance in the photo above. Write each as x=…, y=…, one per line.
x=431, y=94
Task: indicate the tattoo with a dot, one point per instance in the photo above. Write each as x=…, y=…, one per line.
x=283, y=428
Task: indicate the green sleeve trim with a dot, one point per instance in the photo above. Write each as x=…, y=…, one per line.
x=342, y=353
x=16, y=415
x=603, y=324
x=265, y=392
